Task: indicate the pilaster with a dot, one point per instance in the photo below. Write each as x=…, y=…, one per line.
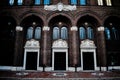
x=74, y=45
x=101, y=48
x=18, y=46
x=45, y=43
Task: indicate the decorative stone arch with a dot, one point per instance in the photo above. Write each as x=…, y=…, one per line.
x=116, y=17
x=10, y=14
x=106, y=16
x=62, y=47
x=32, y=46
x=88, y=47
x=88, y=13
x=30, y=13
x=60, y=14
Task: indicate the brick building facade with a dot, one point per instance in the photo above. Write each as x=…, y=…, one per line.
x=60, y=35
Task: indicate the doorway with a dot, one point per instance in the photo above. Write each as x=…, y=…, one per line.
x=31, y=61
x=60, y=61
x=88, y=61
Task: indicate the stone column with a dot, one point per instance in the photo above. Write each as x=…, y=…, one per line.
x=74, y=45
x=45, y=45
x=101, y=49
x=18, y=47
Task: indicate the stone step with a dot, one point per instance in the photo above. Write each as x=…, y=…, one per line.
x=59, y=78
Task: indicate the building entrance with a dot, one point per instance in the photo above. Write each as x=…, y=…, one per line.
x=88, y=61
x=31, y=55
x=60, y=61
x=60, y=55
x=88, y=55
x=31, y=61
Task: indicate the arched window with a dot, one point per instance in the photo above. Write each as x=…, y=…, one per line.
x=37, y=2
x=64, y=33
x=90, y=33
x=82, y=33
x=56, y=33
x=11, y=2
x=100, y=2
x=20, y=2
x=115, y=33
x=37, y=33
x=107, y=33
x=46, y=2
x=82, y=2
x=30, y=33
x=74, y=2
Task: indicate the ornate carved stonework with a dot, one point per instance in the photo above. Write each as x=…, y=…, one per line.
x=19, y=28
x=46, y=28
x=101, y=28
x=60, y=44
x=74, y=28
x=32, y=44
x=87, y=44
x=60, y=6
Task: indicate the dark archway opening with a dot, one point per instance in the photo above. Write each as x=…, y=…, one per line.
x=7, y=40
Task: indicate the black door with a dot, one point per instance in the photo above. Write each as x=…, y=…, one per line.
x=88, y=61
x=31, y=61
x=60, y=61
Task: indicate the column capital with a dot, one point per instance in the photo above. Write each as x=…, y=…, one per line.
x=19, y=28
x=74, y=28
x=46, y=28
x=101, y=28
